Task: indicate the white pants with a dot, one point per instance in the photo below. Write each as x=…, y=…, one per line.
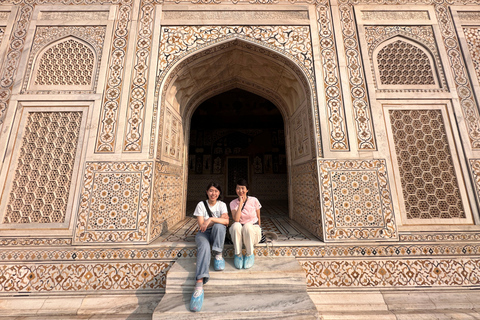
x=248, y=235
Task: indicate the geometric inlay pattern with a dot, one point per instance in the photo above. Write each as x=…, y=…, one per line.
x=333, y=90
x=67, y=63
x=64, y=56
x=475, y=170
x=472, y=36
x=414, y=45
x=85, y=277
x=115, y=202
x=391, y=273
x=41, y=185
x=356, y=200
x=429, y=184
x=401, y=63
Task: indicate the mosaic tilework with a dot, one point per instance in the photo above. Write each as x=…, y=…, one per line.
x=43, y=174
x=392, y=273
x=71, y=46
x=358, y=89
x=14, y=52
x=107, y=127
x=138, y=86
x=429, y=183
x=377, y=35
x=115, y=202
x=87, y=277
x=356, y=200
x=472, y=35
x=167, y=200
x=408, y=71
x=460, y=74
x=306, y=197
x=333, y=90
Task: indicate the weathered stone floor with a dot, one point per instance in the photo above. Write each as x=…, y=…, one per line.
x=367, y=305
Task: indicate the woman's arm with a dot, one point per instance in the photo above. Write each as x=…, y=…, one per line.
x=236, y=214
x=258, y=216
x=222, y=220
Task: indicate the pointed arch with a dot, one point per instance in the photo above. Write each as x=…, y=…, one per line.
x=68, y=63
x=400, y=62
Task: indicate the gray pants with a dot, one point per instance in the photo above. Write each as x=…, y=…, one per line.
x=214, y=236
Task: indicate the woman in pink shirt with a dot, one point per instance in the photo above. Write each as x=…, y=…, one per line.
x=246, y=227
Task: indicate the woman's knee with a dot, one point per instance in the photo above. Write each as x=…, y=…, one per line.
x=236, y=226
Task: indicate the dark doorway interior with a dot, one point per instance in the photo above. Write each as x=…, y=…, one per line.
x=238, y=134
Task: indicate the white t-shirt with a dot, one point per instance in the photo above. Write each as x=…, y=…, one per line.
x=217, y=210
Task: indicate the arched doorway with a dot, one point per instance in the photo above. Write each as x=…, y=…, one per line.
x=238, y=134
x=237, y=64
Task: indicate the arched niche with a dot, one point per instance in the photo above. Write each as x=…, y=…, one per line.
x=403, y=63
x=65, y=64
x=235, y=63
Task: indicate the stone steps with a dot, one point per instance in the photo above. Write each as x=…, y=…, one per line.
x=267, y=275
x=274, y=288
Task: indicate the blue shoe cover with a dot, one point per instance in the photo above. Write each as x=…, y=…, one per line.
x=219, y=264
x=197, y=301
x=238, y=261
x=248, y=261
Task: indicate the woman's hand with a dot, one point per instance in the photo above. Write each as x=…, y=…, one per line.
x=204, y=226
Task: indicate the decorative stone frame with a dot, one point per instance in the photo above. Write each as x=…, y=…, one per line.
x=447, y=115
x=13, y=154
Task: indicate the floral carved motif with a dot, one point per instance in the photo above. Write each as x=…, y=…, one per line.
x=333, y=90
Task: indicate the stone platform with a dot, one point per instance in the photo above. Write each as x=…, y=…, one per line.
x=274, y=288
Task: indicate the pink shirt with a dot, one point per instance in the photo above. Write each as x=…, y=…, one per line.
x=249, y=212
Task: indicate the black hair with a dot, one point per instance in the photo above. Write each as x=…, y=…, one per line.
x=216, y=186
x=243, y=182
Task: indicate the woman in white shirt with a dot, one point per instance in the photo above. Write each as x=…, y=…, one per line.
x=212, y=219
x=246, y=227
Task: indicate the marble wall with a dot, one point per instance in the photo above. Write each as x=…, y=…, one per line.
x=379, y=101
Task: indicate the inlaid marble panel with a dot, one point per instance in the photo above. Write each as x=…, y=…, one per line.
x=405, y=56
x=392, y=273
x=306, y=198
x=2, y=33
x=429, y=183
x=66, y=59
x=356, y=200
x=84, y=277
x=43, y=173
x=168, y=198
x=472, y=36
x=115, y=202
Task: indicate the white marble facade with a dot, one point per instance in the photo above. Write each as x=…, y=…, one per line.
x=379, y=101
